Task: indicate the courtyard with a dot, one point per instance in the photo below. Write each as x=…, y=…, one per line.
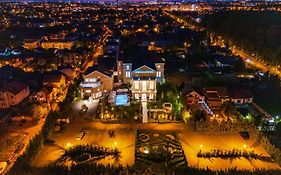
x=193, y=142
x=125, y=140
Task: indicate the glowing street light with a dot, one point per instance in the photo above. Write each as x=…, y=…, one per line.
x=201, y=146
x=68, y=145
x=146, y=151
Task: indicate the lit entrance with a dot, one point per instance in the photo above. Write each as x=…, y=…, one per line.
x=143, y=97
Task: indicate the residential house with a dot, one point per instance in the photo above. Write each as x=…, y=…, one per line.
x=143, y=72
x=57, y=81
x=216, y=96
x=241, y=96
x=13, y=93
x=46, y=94
x=193, y=96
x=99, y=78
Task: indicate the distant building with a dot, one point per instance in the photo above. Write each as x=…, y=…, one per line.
x=58, y=44
x=31, y=44
x=13, y=93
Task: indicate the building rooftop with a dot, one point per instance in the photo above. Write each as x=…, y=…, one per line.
x=14, y=87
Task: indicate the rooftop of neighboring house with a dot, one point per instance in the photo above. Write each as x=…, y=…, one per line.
x=240, y=94
x=212, y=95
x=14, y=87
x=188, y=89
x=221, y=91
x=105, y=66
x=52, y=78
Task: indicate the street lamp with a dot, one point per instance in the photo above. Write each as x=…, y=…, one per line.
x=68, y=145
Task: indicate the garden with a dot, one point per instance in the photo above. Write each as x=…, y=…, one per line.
x=87, y=153
x=159, y=147
x=106, y=112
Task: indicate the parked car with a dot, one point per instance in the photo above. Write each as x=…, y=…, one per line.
x=81, y=135
x=49, y=142
x=111, y=134
x=19, y=148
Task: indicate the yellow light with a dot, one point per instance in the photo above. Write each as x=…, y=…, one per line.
x=201, y=146
x=68, y=145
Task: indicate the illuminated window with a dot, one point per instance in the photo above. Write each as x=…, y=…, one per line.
x=150, y=96
x=144, y=86
x=127, y=67
x=158, y=74
x=151, y=85
x=128, y=74
x=137, y=96
x=136, y=85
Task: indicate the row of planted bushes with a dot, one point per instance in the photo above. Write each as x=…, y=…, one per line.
x=233, y=154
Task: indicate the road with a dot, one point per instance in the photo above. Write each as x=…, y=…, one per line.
x=249, y=59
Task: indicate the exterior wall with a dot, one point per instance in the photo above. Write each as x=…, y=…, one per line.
x=242, y=101
x=127, y=70
x=57, y=45
x=93, y=92
x=31, y=45
x=141, y=87
x=160, y=71
x=127, y=75
x=9, y=99
x=106, y=81
x=4, y=103
x=120, y=70
x=214, y=104
x=194, y=98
